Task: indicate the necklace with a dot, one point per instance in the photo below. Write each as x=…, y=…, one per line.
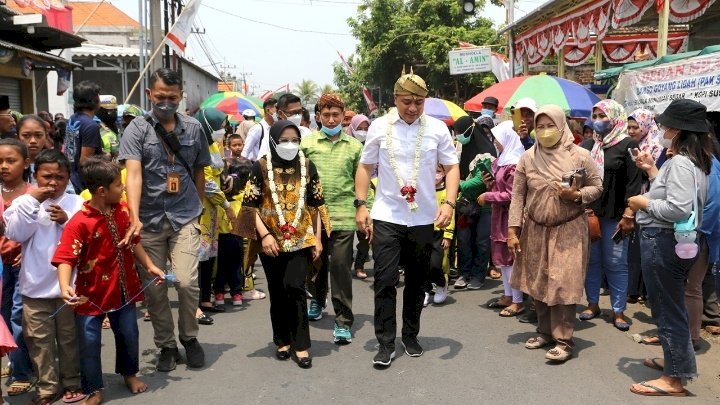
x=288, y=230
x=8, y=190
x=408, y=191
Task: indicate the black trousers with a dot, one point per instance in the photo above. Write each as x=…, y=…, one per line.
x=205, y=274
x=288, y=308
x=229, y=267
x=436, y=274
x=392, y=244
x=335, y=261
x=363, y=251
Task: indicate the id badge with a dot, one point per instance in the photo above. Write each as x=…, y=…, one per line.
x=173, y=183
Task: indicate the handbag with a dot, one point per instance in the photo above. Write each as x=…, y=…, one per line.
x=593, y=225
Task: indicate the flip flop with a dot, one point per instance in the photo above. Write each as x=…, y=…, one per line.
x=507, y=312
x=24, y=386
x=657, y=392
x=650, y=340
x=77, y=391
x=652, y=363
x=146, y=317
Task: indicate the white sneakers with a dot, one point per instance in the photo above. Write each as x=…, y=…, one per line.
x=427, y=300
x=441, y=294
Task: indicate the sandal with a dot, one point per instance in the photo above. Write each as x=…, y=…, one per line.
x=497, y=303
x=360, y=274
x=20, y=387
x=586, y=316
x=657, y=392
x=46, y=399
x=712, y=329
x=205, y=320
x=253, y=295
x=146, y=317
x=558, y=354
x=106, y=323
x=508, y=313
x=650, y=340
x=73, y=394
x=653, y=363
x=536, y=342
x=494, y=274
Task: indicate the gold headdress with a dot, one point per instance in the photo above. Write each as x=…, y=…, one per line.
x=410, y=84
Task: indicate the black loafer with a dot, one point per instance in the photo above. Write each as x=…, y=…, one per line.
x=304, y=362
x=205, y=320
x=282, y=354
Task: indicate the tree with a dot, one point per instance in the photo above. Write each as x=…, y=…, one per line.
x=307, y=90
x=417, y=33
x=327, y=88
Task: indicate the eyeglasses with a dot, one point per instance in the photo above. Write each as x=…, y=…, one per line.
x=293, y=112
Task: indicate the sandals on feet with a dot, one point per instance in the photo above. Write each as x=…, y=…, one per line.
x=106, y=323
x=536, y=342
x=558, y=354
x=497, y=303
x=657, y=392
x=73, y=394
x=495, y=274
x=20, y=387
x=653, y=363
x=650, y=340
x=507, y=312
x=360, y=274
x=252, y=295
x=46, y=399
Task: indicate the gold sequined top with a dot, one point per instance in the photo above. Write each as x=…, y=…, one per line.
x=258, y=200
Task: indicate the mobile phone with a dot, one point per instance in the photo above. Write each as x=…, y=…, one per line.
x=516, y=118
x=617, y=236
x=484, y=170
x=568, y=179
x=634, y=152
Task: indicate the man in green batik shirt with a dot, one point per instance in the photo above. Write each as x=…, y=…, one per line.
x=336, y=156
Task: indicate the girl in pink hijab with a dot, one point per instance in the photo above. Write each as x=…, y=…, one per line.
x=358, y=127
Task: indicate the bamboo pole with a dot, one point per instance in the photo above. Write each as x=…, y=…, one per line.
x=663, y=24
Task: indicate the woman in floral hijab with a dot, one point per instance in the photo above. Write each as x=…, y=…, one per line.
x=642, y=128
x=621, y=180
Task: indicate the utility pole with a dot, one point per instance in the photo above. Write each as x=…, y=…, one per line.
x=156, y=31
x=509, y=19
x=244, y=76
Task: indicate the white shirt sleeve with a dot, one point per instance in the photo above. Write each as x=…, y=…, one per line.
x=371, y=150
x=21, y=218
x=252, y=143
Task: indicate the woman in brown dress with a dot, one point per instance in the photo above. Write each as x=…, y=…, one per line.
x=548, y=228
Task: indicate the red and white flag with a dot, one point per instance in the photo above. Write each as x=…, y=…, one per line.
x=180, y=31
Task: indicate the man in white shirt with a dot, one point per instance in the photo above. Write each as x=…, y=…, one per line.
x=259, y=131
x=406, y=145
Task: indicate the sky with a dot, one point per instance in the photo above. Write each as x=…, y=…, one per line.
x=271, y=56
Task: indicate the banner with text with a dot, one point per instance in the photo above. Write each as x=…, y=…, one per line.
x=470, y=60
x=654, y=88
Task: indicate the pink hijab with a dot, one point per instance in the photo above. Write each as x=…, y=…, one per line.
x=355, y=123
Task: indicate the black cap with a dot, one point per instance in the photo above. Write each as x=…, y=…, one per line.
x=4, y=103
x=684, y=114
x=491, y=100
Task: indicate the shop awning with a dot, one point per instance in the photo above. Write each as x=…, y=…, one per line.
x=32, y=54
x=615, y=72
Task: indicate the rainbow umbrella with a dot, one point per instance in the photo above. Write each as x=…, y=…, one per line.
x=576, y=100
x=233, y=103
x=443, y=110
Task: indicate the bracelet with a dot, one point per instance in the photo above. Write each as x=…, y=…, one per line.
x=452, y=204
x=263, y=237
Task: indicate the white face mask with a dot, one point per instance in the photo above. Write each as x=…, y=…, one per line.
x=295, y=119
x=360, y=135
x=287, y=150
x=665, y=143
x=218, y=135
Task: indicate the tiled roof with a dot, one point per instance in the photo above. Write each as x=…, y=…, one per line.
x=107, y=15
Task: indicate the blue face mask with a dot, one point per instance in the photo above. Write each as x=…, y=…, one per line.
x=602, y=128
x=489, y=112
x=465, y=139
x=331, y=131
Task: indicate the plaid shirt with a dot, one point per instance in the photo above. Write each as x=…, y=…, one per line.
x=336, y=164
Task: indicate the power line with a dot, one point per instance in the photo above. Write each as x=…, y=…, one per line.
x=274, y=25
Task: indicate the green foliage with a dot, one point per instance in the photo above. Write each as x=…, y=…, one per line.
x=307, y=90
x=417, y=33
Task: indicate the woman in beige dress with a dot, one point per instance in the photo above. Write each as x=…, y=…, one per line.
x=548, y=228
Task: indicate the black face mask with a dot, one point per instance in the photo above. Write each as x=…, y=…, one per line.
x=108, y=117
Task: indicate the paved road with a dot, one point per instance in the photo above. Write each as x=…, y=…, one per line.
x=472, y=356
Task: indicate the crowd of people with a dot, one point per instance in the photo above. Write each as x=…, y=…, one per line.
x=114, y=205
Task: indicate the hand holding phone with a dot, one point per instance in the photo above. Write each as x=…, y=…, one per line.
x=617, y=236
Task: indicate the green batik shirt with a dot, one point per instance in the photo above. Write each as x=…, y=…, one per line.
x=336, y=164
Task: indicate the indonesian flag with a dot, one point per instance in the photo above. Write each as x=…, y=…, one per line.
x=178, y=35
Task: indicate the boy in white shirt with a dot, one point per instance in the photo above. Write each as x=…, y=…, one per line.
x=37, y=220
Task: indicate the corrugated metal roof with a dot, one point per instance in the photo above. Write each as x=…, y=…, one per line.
x=42, y=56
x=105, y=50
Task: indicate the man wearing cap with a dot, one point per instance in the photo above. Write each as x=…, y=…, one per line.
x=406, y=146
x=258, y=132
x=107, y=117
x=249, y=115
x=130, y=112
x=528, y=108
x=489, y=106
x=7, y=122
x=336, y=156
x=82, y=135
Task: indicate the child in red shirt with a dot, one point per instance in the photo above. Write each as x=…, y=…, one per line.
x=107, y=280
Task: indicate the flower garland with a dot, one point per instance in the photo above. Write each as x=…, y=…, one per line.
x=288, y=230
x=408, y=191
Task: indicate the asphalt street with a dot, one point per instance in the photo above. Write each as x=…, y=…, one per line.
x=472, y=356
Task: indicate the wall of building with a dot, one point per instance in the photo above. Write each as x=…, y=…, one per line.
x=124, y=38
x=27, y=84
x=198, y=86
x=110, y=83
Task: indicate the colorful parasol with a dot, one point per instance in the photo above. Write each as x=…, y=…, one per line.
x=443, y=110
x=576, y=100
x=233, y=103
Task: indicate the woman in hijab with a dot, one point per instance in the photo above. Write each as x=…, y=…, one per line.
x=548, y=230
x=473, y=222
x=282, y=209
x=621, y=180
x=217, y=214
x=358, y=128
x=500, y=186
x=642, y=128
